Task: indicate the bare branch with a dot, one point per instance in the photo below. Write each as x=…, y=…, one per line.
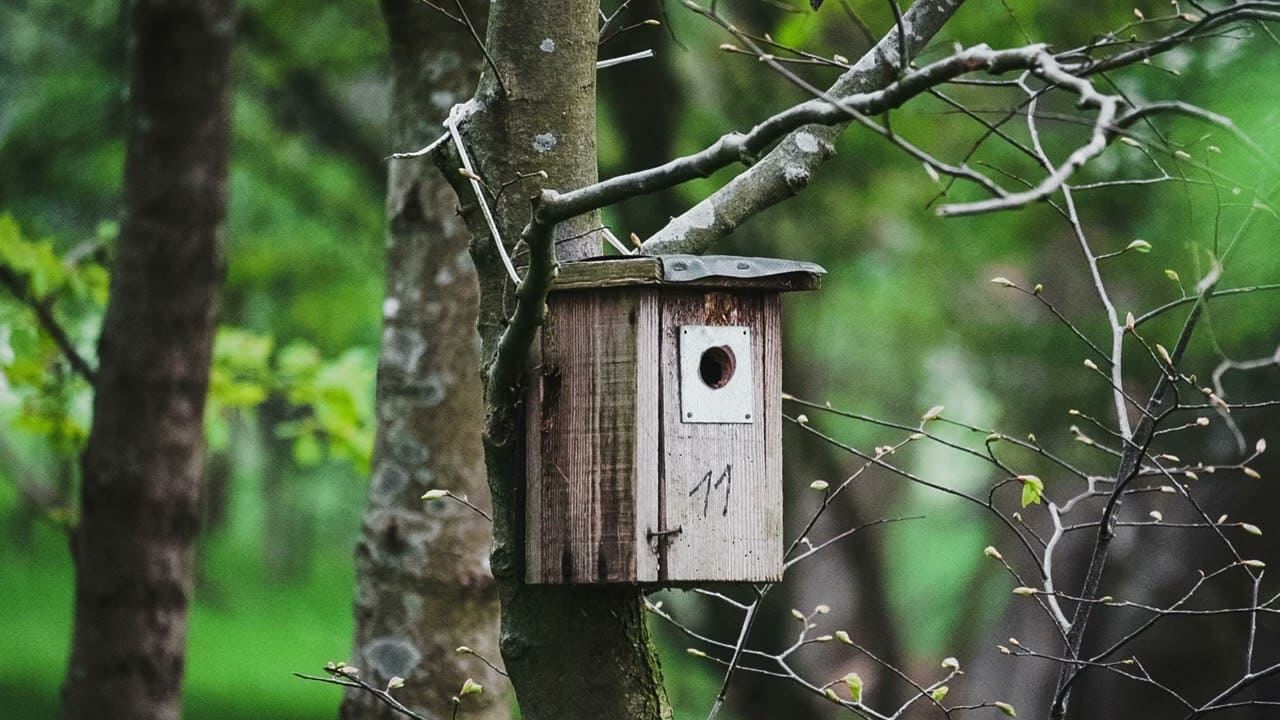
x=506, y=373
x=796, y=158
x=745, y=147
x=347, y=676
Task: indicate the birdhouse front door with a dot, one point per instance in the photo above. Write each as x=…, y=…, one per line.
x=721, y=448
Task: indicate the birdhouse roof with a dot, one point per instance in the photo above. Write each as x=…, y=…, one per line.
x=703, y=271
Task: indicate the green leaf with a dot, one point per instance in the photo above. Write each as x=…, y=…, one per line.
x=298, y=359
x=1032, y=489
x=307, y=450
x=854, y=681
x=1006, y=708
x=243, y=352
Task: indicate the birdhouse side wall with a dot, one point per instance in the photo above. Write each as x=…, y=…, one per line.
x=592, y=419
x=722, y=481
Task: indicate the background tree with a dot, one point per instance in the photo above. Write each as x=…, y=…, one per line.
x=142, y=470
x=301, y=308
x=423, y=587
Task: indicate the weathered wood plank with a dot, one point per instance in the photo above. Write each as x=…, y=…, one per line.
x=648, y=419
x=608, y=273
x=586, y=526
x=532, y=494
x=723, y=482
x=771, y=384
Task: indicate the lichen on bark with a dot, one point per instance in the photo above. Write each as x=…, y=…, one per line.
x=423, y=586
x=572, y=652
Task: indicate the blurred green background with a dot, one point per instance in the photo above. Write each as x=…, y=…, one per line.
x=907, y=318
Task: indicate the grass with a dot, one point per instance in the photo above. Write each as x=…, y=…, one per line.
x=242, y=649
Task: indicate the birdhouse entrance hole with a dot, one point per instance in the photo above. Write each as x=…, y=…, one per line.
x=716, y=367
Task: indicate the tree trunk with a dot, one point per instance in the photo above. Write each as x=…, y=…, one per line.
x=422, y=571
x=572, y=652
x=288, y=530
x=141, y=469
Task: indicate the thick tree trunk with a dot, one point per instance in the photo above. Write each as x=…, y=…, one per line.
x=572, y=652
x=141, y=478
x=422, y=571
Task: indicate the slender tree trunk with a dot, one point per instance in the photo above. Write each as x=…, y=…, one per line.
x=422, y=570
x=142, y=467
x=572, y=652
x=288, y=530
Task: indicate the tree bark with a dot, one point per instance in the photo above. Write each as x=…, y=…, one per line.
x=572, y=652
x=423, y=586
x=142, y=467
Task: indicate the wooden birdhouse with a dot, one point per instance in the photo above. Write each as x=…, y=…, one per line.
x=654, y=425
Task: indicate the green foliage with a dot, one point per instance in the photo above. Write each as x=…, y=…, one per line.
x=331, y=400
x=303, y=291
x=46, y=275
x=1032, y=489
x=53, y=402
x=339, y=395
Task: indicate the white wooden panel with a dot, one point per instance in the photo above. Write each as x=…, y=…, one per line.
x=646, y=480
x=722, y=482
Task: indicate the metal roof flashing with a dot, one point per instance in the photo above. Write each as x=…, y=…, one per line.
x=710, y=271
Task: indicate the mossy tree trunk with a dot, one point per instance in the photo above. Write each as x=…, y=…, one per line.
x=423, y=585
x=139, y=502
x=572, y=652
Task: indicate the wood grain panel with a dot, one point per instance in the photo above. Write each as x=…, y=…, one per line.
x=723, y=482
x=581, y=524
x=647, y=445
